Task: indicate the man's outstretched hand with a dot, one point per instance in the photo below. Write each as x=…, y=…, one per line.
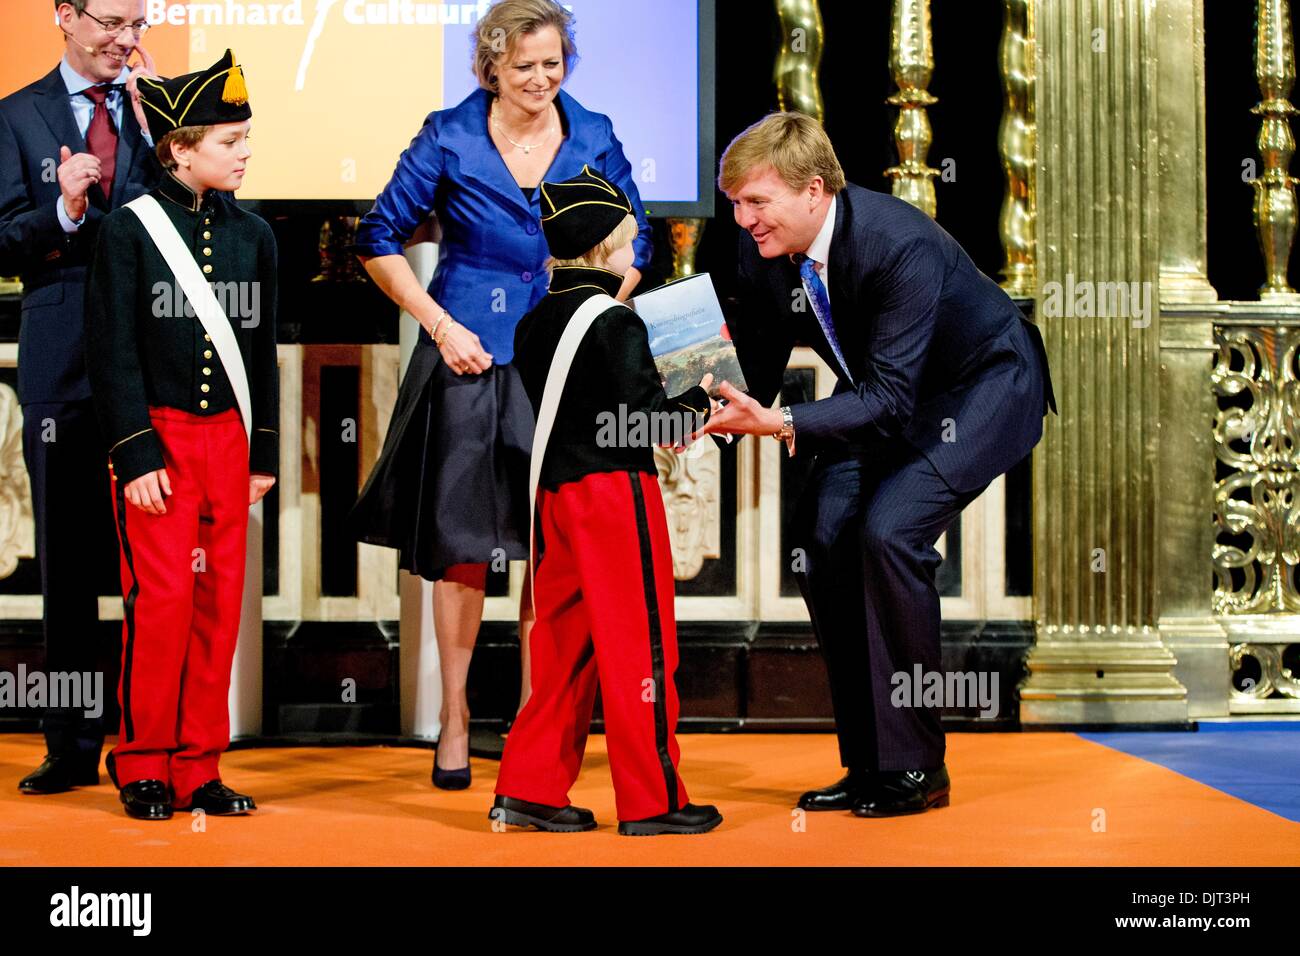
x=740, y=416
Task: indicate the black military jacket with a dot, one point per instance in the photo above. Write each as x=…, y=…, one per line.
x=613, y=367
x=145, y=345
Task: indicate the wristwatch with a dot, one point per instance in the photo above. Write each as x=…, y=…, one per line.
x=786, y=432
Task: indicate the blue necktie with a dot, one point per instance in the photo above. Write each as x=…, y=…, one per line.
x=821, y=306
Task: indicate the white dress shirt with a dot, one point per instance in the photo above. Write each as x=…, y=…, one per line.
x=820, y=250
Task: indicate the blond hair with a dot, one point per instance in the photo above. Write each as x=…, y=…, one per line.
x=498, y=33
x=189, y=136
x=623, y=233
x=793, y=144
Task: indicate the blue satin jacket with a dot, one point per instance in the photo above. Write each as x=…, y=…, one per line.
x=491, y=261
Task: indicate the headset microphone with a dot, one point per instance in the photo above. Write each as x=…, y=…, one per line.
x=88, y=49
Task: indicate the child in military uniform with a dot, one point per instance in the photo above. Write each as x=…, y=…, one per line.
x=187, y=392
x=604, y=582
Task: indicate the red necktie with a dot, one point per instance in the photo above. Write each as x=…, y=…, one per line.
x=101, y=138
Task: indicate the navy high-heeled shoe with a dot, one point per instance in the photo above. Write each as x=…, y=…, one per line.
x=458, y=779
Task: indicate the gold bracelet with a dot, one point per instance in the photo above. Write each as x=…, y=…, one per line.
x=433, y=332
x=445, y=332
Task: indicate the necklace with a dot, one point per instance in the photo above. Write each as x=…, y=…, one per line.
x=526, y=147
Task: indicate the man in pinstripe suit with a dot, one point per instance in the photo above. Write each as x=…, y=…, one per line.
x=75, y=147
x=941, y=386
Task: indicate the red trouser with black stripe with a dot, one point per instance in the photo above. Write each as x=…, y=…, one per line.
x=604, y=605
x=182, y=585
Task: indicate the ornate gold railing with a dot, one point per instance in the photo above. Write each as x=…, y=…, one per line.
x=1256, y=434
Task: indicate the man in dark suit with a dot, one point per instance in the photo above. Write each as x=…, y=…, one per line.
x=941, y=386
x=73, y=151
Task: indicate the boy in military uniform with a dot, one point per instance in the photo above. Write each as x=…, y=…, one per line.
x=604, y=582
x=186, y=389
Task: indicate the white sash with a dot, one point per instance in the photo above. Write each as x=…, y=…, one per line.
x=200, y=295
x=556, y=378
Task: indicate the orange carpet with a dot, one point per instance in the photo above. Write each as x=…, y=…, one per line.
x=1018, y=799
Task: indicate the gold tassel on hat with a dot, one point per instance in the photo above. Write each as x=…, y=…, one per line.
x=235, y=91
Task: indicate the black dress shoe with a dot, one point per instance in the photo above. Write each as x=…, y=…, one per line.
x=216, y=799
x=521, y=813
x=147, y=800
x=57, y=774
x=898, y=792
x=689, y=819
x=840, y=795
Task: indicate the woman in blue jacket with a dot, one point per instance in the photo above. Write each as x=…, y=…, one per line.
x=450, y=490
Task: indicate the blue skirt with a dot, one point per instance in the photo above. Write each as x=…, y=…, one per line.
x=451, y=484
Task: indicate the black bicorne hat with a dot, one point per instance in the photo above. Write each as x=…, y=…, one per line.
x=580, y=213
x=215, y=95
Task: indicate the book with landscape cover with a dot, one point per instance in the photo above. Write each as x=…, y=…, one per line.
x=688, y=335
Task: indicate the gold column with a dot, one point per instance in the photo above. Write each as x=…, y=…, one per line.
x=1185, y=475
x=1016, y=141
x=911, y=61
x=1180, y=78
x=798, y=62
x=1275, y=196
x=1099, y=655
x=797, y=88
x=684, y=234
